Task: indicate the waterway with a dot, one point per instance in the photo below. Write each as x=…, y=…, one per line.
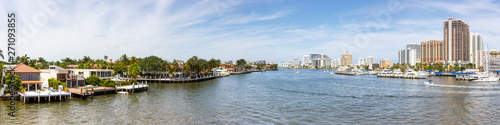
x=279, y=97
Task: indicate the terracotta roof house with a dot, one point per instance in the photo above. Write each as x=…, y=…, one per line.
x=228, y=66
x=27, y=74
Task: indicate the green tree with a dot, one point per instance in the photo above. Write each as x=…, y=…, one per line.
x=1, y=73
x=68, y=60
x=105, y=58
x=93, y=80
x=25, y=59
x=54, y=83
x=240, y=63
x=107, y=83
x=193, y=65
x=213, y=63
x=134, y=60
x=124, y=60
x=17, y=82
x=153, y=63
x=134, y=70
x=175, y=66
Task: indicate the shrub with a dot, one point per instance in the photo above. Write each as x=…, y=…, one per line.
x=93, y=80
x=107, y=83
x=54, y=83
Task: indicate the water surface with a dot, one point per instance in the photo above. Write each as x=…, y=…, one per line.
x=280, y=97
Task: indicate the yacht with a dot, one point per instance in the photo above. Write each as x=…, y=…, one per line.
x=222, y=72
x=384, y=73
x=486, y=76
x=397, y=73
x=372, y=72
x=413, y=74
x=360, y=72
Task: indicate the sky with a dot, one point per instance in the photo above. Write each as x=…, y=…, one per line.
x=273, y=30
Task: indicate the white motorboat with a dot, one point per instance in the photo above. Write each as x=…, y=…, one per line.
x=222, y=72
x=384, y=73
x=428, y=83
x=413, y=74
x=372, y=72
x=397, y=74
x=332, y=73
x=484, y=77
x=298, y=71
x=122, y=92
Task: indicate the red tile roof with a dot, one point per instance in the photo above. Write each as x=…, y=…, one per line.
x=22, y=68
x=346, y=54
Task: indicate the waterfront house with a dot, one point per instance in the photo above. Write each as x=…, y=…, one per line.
x=180, y=62
x=85, y=73
x=30, y=76
x=228, y=66
x=62, y=75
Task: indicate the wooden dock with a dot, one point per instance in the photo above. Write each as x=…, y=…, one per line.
x=8, y=97
x=176, y=80
x=44, y=96
x=93, y=91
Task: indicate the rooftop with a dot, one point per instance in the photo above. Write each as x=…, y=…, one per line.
x=346, y=54
x=22, y=68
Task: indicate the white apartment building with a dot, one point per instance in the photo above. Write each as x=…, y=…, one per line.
x=475, y=46
x=370, y=60
x=361, y=61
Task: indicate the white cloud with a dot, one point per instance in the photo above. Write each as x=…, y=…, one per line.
x=246, y=18
x=178, y=30
x=139, y=28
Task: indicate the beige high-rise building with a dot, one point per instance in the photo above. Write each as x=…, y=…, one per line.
x=456, y=40
x=386, y=63
x=432, y=51
x=346, y=59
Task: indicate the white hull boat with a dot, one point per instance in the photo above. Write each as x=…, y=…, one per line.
x=428, y=83
x=486, y=79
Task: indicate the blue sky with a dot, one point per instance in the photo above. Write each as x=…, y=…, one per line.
x=274, y=30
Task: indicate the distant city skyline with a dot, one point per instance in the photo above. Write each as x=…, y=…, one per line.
x=275, y=31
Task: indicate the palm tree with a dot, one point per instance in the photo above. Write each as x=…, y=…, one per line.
x=133, y=60
x=67, y=60
x=134, y=70
x=25, y=59
x=105, y=58
x=241, y=62
x=86, y=59
x=1, y=73
x=42, y=60
x=192, y=65
x=124, y=59
x=212, y=63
